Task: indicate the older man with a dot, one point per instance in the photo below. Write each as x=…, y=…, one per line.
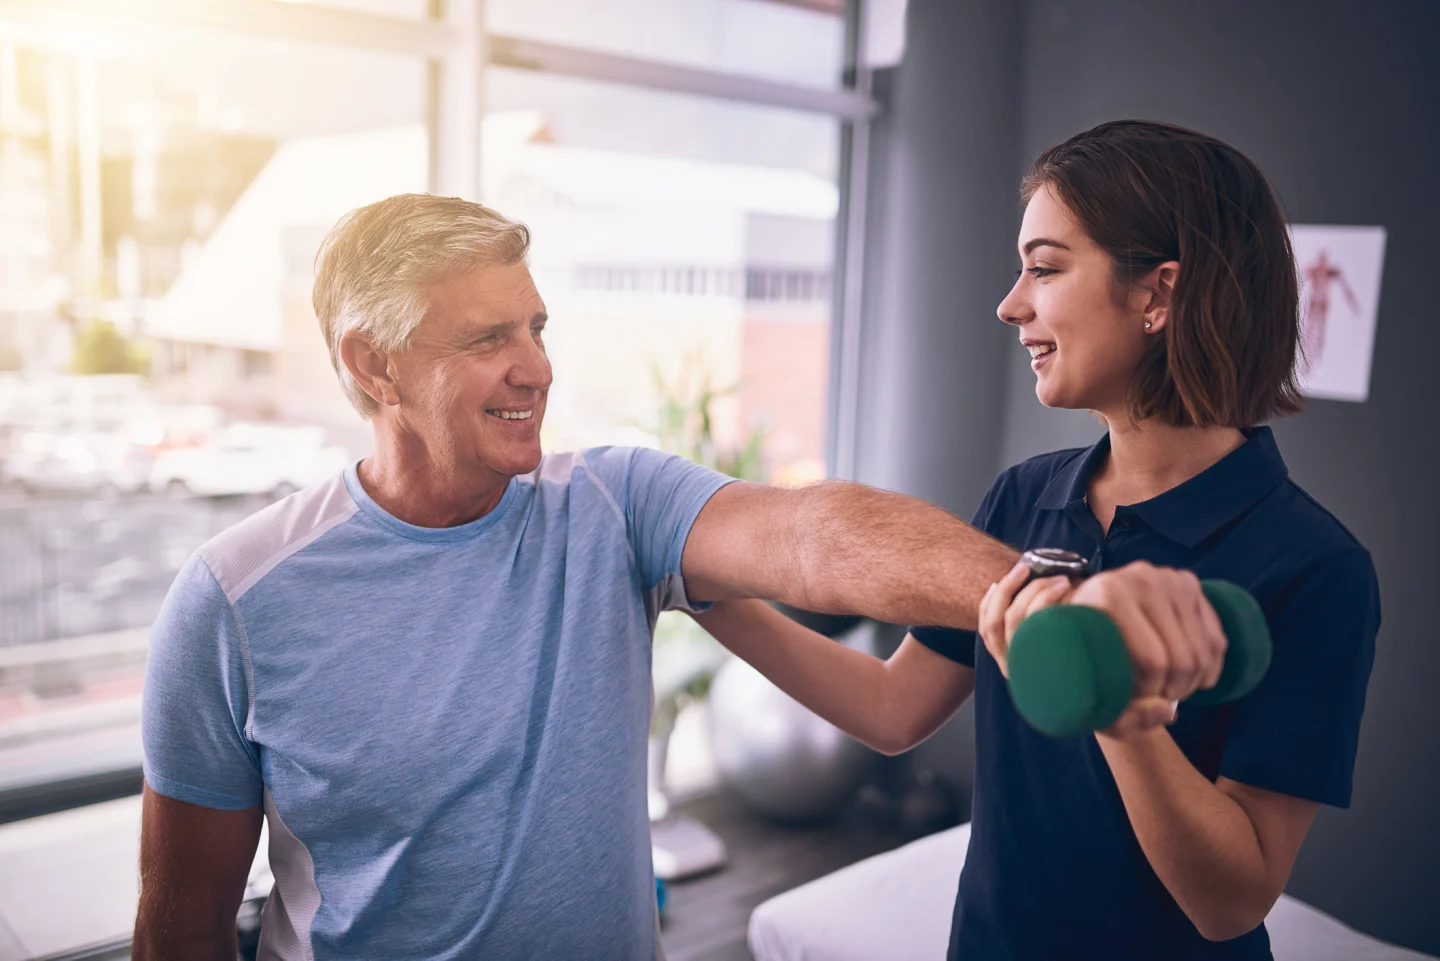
x=431, y=674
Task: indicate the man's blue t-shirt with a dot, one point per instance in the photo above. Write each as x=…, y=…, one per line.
x=1054, y=868
x=446, y=727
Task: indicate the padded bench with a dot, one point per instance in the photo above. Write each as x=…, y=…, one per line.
x=896, y=907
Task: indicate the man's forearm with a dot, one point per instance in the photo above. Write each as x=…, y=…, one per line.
x=891, y=557
x=1200, y=841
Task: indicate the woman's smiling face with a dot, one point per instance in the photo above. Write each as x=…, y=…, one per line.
x=1085, y=333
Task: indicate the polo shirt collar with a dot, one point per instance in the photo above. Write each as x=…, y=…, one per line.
x=1194, y=510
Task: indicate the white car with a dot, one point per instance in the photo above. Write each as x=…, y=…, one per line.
x=249, y=459
x=74, y=460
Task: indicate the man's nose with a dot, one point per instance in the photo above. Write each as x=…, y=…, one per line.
x=532, y=370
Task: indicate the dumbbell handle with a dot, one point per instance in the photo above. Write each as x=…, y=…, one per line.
x=1070, y=672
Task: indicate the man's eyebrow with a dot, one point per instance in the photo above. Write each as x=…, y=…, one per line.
x=484, y=330
x=1043, y=242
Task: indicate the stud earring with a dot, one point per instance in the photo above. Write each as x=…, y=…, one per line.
x=1147, y=325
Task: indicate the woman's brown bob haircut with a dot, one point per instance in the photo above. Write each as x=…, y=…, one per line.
x=1148, y=193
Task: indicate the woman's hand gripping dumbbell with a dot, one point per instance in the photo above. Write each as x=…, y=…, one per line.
x=1080, y=658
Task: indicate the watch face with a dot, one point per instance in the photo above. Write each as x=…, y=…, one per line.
x=1050, y=561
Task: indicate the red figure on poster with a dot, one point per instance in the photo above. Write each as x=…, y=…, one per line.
x=1318, y=277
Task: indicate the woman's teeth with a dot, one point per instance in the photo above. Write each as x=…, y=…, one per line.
x=1040, y=350
x=511, y=414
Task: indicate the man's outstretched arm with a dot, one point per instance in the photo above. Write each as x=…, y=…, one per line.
x=843, y=548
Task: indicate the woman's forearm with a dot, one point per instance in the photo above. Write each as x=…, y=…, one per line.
x=888, y=705
x=1199, y=840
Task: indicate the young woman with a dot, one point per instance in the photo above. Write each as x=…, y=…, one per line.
x=1157, y=289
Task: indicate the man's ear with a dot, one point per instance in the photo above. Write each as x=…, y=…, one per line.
x=1157, y=293
x=370, y=368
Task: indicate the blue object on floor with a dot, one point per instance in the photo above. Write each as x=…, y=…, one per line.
x=660, y=894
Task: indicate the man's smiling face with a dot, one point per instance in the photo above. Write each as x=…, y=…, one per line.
x=474, y=379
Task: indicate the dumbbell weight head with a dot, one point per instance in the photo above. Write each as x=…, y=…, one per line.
x=1247, y=656
x=1070, y=672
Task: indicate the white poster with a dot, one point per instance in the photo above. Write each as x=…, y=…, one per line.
x=1339, y=270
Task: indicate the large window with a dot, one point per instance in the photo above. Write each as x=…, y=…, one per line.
x=166, y=174
x=161, y=377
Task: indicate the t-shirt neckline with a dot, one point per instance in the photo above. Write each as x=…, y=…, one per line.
x=414, y=532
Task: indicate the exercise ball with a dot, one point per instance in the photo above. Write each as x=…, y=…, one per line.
x=780, y=759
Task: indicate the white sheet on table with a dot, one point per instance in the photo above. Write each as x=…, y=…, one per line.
x=897, y=906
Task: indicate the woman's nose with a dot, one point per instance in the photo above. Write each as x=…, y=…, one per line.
x=1013, y=309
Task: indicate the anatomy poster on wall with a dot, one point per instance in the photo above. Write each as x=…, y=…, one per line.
x=1339, y=270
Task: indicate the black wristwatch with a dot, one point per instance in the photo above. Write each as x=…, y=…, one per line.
x=1052, y=561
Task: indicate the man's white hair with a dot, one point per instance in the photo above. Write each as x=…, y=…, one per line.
x=373, y=267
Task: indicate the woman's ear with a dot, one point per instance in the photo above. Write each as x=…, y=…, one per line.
x=370, y=368
x=1157, y=294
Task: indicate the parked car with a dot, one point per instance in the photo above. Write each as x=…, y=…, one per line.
x=76, y=460
x=249, y=459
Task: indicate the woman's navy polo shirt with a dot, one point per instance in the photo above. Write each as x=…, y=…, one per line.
x=1054, y=868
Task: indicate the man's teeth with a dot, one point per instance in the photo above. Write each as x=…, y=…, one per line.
x=1040, y=350
x=512, y=414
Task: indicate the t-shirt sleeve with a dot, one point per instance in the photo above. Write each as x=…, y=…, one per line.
x=196, y=699
x=1297, y=732
x=952, y=643
x=660, y=495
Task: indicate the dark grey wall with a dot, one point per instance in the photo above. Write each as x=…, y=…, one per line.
x=932, y=260
x=1340, y=103
x=932, y=374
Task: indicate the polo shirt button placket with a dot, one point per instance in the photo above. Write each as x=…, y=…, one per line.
x=1120, y=527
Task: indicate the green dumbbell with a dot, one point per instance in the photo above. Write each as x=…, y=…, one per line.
x=1070, y=672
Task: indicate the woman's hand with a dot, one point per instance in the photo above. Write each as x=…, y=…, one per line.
x=1173, y=635
x=1006, y=603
